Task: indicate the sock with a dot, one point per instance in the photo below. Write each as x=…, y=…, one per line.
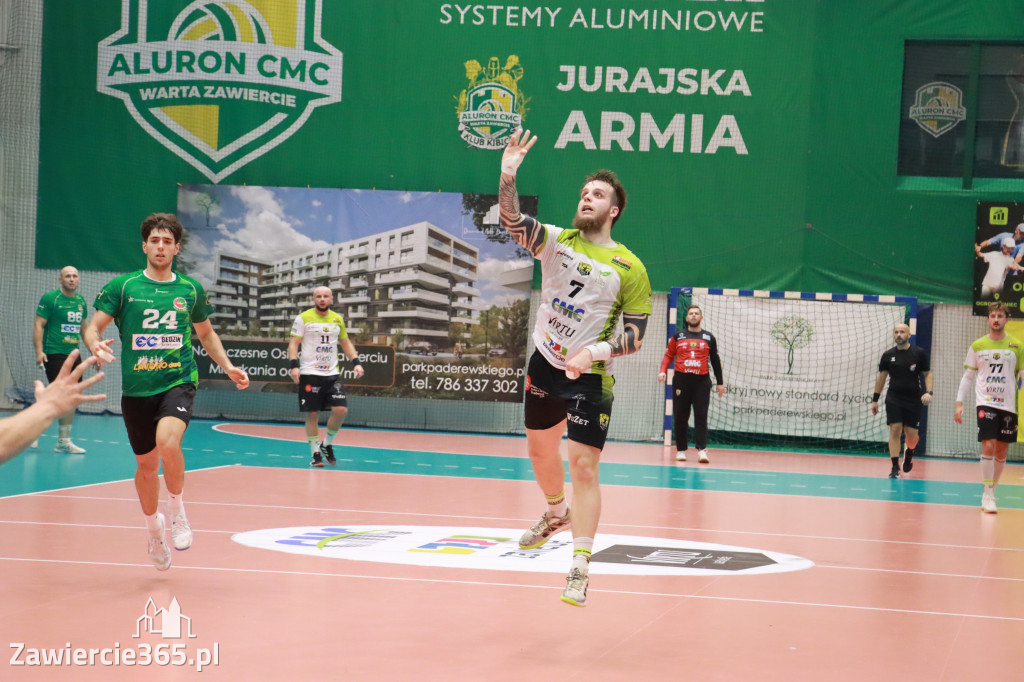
x=64, y=431
x=556, y=504
x=895, y=463
x=314, y=445
x=153, y=523
x=175, y=503
x=988, y=471
x=997, y=471
x=582, y=548
x=330, y=437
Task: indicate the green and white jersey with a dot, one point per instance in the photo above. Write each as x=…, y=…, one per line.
x=585, y=288
x=320, y=335
x=999, y=365
x=155, y=324
x=63, y=314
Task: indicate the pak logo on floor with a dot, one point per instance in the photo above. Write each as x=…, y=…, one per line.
x=220, y=82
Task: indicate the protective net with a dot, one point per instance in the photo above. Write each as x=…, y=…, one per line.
x=798, y=367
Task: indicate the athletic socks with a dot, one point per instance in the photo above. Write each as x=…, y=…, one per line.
x=988, y=471
x=64, y=432
x=330, y=437
x=314, y=445
x=175, y=503
x=556, y=504
x=153, y=523
x=582, y=548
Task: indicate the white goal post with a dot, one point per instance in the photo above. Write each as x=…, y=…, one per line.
x=799, y=366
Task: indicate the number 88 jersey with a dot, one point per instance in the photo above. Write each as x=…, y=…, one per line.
x=154, y=320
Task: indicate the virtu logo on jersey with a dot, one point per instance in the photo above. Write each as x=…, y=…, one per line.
x=220, y=82
x=491, y=106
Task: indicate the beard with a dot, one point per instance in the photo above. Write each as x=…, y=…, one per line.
x=322, y=308
x=587, y=224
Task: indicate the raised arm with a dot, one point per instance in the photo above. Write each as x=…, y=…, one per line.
x=526, y=231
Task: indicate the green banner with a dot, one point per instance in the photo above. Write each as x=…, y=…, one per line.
x=695, y=105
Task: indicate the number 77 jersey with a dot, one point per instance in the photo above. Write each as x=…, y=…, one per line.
x=998, y=363
x=154, y=320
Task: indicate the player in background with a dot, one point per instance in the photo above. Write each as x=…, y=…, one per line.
x=589, y=282
x=904, y=365
x=994, y=367
x=155, y=310
x=57, y=332
x=317, y=333
x=693, y=350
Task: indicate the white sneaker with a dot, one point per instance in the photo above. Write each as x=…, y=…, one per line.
x=703, y=456
x=541, y=531
x=35, y=443
x=681, y=456
x=67, y=447
x=159, y=552
x=575, y=591
x=181, y=532
x=988, y=501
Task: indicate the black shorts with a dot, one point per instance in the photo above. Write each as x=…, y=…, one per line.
x=906, y=411
x=54, y=362
x=318, y=393
x=551, y=397
x=141, y=414
x=997, y=425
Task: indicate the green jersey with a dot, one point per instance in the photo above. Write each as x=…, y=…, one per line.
x=999, y=366
x=155, y=324
x=63, y=314
x=585, y=288
x=320, y=336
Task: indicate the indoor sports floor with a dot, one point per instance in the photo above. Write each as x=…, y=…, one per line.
x=761, y=565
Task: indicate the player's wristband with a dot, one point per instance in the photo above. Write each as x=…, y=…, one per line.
x=930, y=392
x=600, y=351
x=293, y=364
x=875, y=397
x=356, y=362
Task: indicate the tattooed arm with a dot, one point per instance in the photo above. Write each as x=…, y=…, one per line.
x=629, y=340
x=526, y=231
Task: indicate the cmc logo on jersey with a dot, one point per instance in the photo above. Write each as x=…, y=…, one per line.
x=157, y=341
x=220, y=82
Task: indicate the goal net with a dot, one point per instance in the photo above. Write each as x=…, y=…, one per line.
x=799, y=367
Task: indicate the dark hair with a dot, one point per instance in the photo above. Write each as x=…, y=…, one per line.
x=613, y=180
x=692, y=306
x=999, y=305
x=162, y=221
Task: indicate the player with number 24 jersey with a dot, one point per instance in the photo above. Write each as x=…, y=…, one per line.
x=156, y=330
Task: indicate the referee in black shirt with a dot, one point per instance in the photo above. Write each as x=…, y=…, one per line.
x=904, y=364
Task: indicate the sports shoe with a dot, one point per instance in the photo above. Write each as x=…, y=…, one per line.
x=703, y=456
x=327, y=452
x=895, y=473
x=988, y=501
x=159, y=552
x=67, y=447
x=541, y=531
x=575, y=591
x=681, y=456
x=317, y=460
x=181, y=532
x=35, y=443
x=908, y=459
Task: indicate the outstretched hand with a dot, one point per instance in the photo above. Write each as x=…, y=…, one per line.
x=66, y=391
x=518, y=144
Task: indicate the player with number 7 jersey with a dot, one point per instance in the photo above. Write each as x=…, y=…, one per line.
x=154, y=320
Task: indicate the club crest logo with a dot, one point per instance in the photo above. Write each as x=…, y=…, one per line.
x=492, y=105
x=938, y=107
x=220, y=82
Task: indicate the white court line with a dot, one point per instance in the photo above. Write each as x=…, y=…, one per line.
x=483, y=583
x=118, y=480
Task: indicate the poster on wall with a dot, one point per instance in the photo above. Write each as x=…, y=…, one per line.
x=998, y=252
x=433, y=291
